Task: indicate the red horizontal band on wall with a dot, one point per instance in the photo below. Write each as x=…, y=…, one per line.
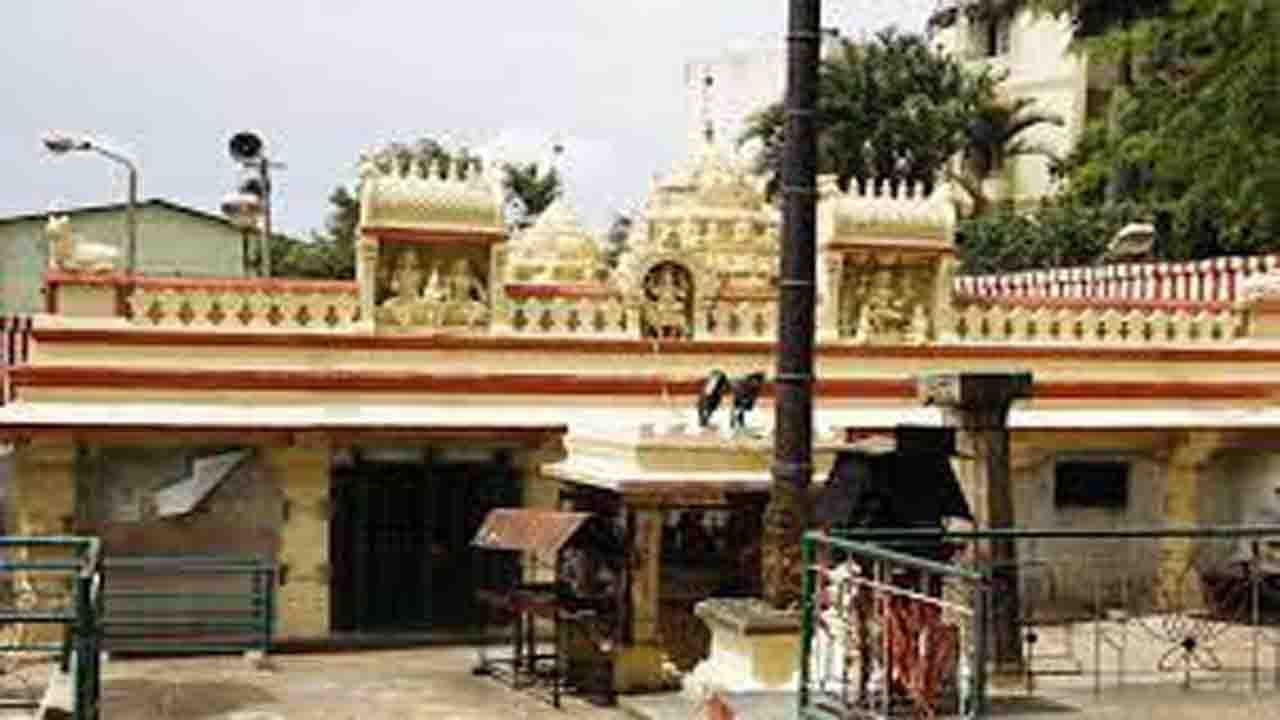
x=338, y=381
x=472, y=343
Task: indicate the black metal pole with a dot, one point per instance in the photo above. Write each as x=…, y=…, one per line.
x=265, y=170
x=787, y=514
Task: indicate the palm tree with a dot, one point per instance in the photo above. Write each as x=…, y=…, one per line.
x=890, y=110
x=992, y=136
x=535, y=188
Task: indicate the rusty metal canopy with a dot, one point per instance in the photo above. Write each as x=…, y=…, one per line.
x=542, y=532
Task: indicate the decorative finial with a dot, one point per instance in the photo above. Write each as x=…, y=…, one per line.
x=709, y=129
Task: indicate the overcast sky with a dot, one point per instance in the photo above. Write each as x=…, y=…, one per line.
x=168, y=81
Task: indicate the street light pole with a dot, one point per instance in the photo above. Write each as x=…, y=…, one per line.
x=788, y=513
x=131, y=210
x=264, y=171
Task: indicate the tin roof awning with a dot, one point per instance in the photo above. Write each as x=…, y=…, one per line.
x=542, y=532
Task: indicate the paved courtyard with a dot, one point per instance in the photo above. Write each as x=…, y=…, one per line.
x=433, y=683
x=437, y=683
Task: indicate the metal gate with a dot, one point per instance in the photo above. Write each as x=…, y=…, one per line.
x=188, y=604
x=56, y=581
x=399, y=544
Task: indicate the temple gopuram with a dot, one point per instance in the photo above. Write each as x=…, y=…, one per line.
x=375, y=423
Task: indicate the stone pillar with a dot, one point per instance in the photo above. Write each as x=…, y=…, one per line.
x=367, y=277
x=944, y=314
x=638, y=664
x=302, y=588
x=979, y=404
x=42, y=502
x=1260, y=297
x=1189, y=455
x=830, y=279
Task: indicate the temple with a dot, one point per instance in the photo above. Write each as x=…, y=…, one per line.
x=358, y=432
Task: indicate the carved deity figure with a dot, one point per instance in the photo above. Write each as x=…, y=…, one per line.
x=884, y=312
x=465, y=293
x=919, y=334
x=406, y=281
x=667, y=310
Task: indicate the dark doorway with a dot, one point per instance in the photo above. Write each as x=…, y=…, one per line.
x=400, y=543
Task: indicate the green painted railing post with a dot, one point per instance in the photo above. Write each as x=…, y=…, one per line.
x=269, y=614
x=978, y=673
x=806, y=627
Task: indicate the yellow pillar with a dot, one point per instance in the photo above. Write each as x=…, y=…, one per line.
x=302, y=588
x=367, y=277
x=638, y=666
x=1188, y=458
x=42, y=502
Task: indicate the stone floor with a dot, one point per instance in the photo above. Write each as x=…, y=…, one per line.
x=434, y=683
x=1137, y=703
x=437, y=683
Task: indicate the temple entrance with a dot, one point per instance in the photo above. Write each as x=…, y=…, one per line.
x=400, y=542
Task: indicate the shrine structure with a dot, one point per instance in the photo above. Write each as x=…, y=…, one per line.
x=467, y=368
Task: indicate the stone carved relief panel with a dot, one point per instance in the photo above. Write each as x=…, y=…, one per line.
x=887, y=303
x=667, y=303
x=427, y=287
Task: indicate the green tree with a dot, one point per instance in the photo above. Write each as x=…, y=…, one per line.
x=535, y=187
x=991, y=137
x=1196, y=138
x=890, y=111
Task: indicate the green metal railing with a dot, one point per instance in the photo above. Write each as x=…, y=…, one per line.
x=865, y=608
x=64, y=592
x=188, y=604
x=1196, y=605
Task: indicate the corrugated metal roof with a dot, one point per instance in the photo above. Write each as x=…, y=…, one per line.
x=542, y=532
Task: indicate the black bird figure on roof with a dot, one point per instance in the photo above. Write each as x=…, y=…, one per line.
x=711, y=395
x=745, y=391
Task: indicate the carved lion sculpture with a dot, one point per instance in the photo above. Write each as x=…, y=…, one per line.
x=67, y=252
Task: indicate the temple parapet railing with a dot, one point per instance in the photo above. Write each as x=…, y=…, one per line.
x=217, y=304
x=599, y=311
x=1212, y=280
x=611, y=316
x=1085, y=322
x=244, y=304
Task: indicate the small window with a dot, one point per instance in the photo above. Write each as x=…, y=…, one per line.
x=993, y=37
x=1091, y=485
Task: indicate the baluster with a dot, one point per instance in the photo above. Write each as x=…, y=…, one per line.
x=973, y=323
x=141, y=302
x=1180, y=324
x=1135, y=327
x=1160, y=323
x=1014, y=327
x=1109, y=326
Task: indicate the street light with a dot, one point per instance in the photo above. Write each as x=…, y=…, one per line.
x=251, y=203
x=62, y=143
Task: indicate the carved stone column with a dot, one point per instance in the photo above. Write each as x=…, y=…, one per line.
x=1260, y=296
x=944, y=314
x=638, y=665
x=979, y=404
x=302, y=474
x=499, y=303
x=1188, y=457
x=830, y=279
x=367, y=277
x=41, y=502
